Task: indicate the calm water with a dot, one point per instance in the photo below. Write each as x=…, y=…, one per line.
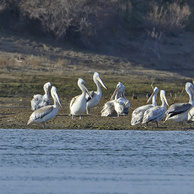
x=93, y=161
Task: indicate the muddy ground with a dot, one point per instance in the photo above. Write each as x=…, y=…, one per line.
x=15, y=104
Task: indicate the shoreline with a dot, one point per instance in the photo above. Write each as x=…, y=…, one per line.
x=16, y=118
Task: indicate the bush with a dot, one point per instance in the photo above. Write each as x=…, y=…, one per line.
x=74, y=19
x=170, y=17
x=87, y=21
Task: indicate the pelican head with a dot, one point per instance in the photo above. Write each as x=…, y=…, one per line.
x=82, y=85
x=120, y=88
x=47, y=86
x=96, y=77
x=190, y=91
x=155, y=92
x=55, y=95
x=163, y=96
x=189, y=86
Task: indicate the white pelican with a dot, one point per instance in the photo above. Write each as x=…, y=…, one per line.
x=156, y=113
x=78, y=103
x=39, y=100
x=121, y=106
x=48, y=112
x=96, y=96
x=179, y=112
x=138, y=113
x=191, y=115
x=119, y=101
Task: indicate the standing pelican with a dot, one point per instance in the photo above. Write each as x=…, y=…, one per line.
x=96, y=96
x=119, y=101
x=39, y=100
x=138, y=113
x=191, y=115
x=156, y=113
x=179, y=112
x=48, y=112
x=78, y=103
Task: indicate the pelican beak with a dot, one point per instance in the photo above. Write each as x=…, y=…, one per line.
x=101, y=82
x=165, y=100
x=116, y=90
x=84, y=86
x=60, y=104
x=58, y=100
x=151, y=96
x=192, y=89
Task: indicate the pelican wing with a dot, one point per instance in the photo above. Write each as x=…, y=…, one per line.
x=141, y=109
x=152, y=114
x=73, y=100
x=40, y=113
x=108, y=109
x=44, y=102
x=178, y=108
x=138, y=113
x=127, y=107
x=119, y=106
x=37, y=99
x=191, y=114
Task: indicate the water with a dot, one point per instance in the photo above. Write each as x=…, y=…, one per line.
x=93, y=161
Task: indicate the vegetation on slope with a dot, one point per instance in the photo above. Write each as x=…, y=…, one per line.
x=90, y=22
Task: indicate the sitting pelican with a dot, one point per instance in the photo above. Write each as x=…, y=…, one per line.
x=121, y=106
x=48, y=112
x=138, y=113
x=191, y=115
x=179, y=112
x=39, y=100
x=96, y=96
x=119, y=101
x=78, y=103
x=156, y=113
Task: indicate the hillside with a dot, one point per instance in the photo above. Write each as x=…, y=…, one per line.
x=126, y=51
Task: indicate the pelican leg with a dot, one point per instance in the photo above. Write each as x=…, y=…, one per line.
x=157, y=124
x=87, y=111
x=44, y=125
x=80, y=117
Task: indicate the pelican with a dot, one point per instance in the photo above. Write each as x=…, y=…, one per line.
x=78, y=103
x=138, y=113
x=121, y=106
x=179, y=112
x=191, y=115
x=48, y=112
x=39, y=100
x=156, y=113
x=118, y=101
x=96, y=96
